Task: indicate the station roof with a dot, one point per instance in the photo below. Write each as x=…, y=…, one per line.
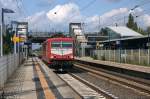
x=124, y=31
x=128, y=38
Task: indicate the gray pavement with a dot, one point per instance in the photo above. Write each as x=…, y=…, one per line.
x=26, y=83
x=21, y=85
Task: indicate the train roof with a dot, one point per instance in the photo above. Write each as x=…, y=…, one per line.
x=60, y=38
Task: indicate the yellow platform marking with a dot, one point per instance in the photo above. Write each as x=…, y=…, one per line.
x=48, y=93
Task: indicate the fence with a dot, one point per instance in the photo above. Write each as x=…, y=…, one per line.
x=138, y=57
x=8, y=64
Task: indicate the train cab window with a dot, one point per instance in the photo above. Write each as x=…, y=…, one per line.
x=56, y=44
x=66, y=44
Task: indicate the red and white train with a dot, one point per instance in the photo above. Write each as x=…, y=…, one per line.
x=59, y=52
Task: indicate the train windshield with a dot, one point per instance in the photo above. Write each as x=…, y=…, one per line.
x=56, y=44
x=66, y=44
x=61, y=44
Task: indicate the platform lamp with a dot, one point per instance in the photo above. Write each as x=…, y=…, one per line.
x=4, y=10
x=148, y=45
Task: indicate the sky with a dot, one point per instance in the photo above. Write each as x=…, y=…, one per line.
x=55, y=15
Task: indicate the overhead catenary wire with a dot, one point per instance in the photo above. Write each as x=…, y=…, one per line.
x=83, y=8
x=124, y=17
x=23, y=8
x=18, y=6
x=141, y=4
x=132, y=9
x=17, y=10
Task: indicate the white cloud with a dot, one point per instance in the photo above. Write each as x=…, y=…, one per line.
x=115, y=12
x=107, y=18
x=144, y=20
x=119, y=16
x=8, y=3
x=13, y=5
x=71, y=13
x=62, y=13
x=59, y=20
x=38, y=21
x=60, y=16
x=36, y=17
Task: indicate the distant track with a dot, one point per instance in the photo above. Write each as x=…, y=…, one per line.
x=140, y=85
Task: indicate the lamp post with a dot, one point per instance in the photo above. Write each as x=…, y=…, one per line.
x=2, y=26
x=120, y=46
x=15, y=22
x=148, y=45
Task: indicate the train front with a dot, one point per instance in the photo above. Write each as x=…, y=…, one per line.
x=62, y=53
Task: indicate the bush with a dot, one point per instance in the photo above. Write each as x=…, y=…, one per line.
x=95, y=57
x=103, y=57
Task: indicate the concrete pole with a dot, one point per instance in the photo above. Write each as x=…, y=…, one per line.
x=15, y=45
x=139, y=56
x=15, y=48
x=1, y=41
x=148, y=59
x=148, y=48
x=1, y=35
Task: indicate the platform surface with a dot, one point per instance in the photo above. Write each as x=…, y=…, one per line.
x=21, y=84
x=32, y=81
x=115, y=64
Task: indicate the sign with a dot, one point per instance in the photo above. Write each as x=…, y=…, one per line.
x=22, y=26
x=21, y=39
x=148, y=44
x=22, y=30
x=101, y=45
x=118, y=42
x=15, y=39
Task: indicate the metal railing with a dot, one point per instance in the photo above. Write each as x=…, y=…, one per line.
x=132, y=56
x=8, y=64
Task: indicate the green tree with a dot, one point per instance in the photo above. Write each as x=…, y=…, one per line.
x=140, y=30
x=103, y=32
x=133, y=25
x=7, y=43
x=130, y=23
x=148, y=30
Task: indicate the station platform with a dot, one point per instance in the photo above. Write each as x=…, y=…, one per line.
x=34, y=81
x=130, y=67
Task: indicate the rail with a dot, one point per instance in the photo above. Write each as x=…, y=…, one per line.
x=134, y=83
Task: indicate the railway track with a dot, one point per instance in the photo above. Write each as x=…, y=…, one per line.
x=97, y=89
x=140, y=85
x=101, y=94
x=88, y=92
x=83, y=90
x=135, y=84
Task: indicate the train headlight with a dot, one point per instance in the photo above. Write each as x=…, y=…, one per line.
x=71, y=56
